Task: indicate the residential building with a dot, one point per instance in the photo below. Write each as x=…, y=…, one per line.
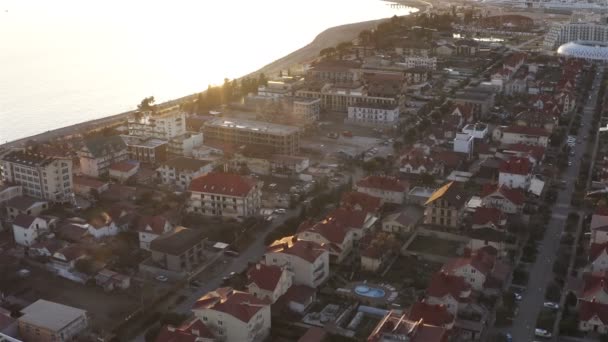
x=64, y=260
x=402, y=222
x=372, y=258
x=147, y=150
x=27, y=228
x=40, y=176
x=193, y=330
x=268, y=282
x=182, y=145
x=463, y=143
x=45, y=321
x=396, y=327
x=180, y=251
x=515, y=173
x=328, y=232
x=521, y=134
x=452, y=291
x=479, y=99
x=480, y=269
x=124, y=170
x=23, y=205
x=595, y=288
x=416, y=75
x=335, y=71
x=307, y=260
x=288, y=165
x=306, y=110
x=593, y=317
x=86, y=187
x=180, y=171
x=355, y=200
x=433, y=314
x=150, y=228
x=359, y=222
x=165, y=124
x=488, y=218
x=110, y=280
x=373, y=115
x=99, y=153
x=336, y=98
x=224, y=195
x=429, y=63
x=565, y=32
x=9, y=191
x=508, y=200
x=234, y=316
x=389, y=189
x=275, y=138
x=445, y=206
x=417, y=161
x=102, y=225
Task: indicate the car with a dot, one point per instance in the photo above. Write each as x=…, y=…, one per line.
x=231, y=253
x=280, y=211
x=542, y=333
x=551, y=305
x=517, y=296
x=161, y=278
x=229, y=276
x=196, y=283
x=569, y=163
x=509, y=337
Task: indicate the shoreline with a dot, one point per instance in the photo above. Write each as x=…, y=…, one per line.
x=329, y=37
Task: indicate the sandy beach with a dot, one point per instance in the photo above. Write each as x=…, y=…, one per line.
x=329, y=37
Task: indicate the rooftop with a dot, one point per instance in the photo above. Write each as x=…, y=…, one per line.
x=241, y=305
x=223, y=183
x=252, y=126
x=23, y=203
x=178, y=241
x=28, y=159
x=50, y=315
x=306, y=250
x=102, y=146
x=184, y=163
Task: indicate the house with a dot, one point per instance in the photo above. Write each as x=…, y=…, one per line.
x=389, y=189
x=233, y=315
x=297, y=299
x=179, y=251
x=73, y=232
x=598, y=257
x=224, y=195
x=45, y=248
x=376, y=250
x=48, y=321
x=433, y=314
x=372, y=258
x=515, y=173
x=65, y=259
x=480, y=269
x=593, y=317
x=151, y=227
x=396, y=327
x=268, y=282
x=355, y=200
x=110, y=280
x=102, y=225
x=123, y=170
x=98, y=153
x=181, y=170
x=595, y=288
x=508, y=200
x=27, y=228
x=417, y=162
x=534, y=153
x=445, y=206
x=358, y=222
x=193, y=330
x=402, y=222
x=25, y=206
x=451, y=291
x=463, y=112
x=88, y=187
x=307, y=260
x=537, y=119
x=521, y=134
x=488, y=237
x=328, y=232
x=491, y=218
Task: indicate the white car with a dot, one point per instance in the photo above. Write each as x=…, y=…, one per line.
x=280, y=211
x=162, y=278
x=517, y=296
x=551, y=305
x=542, y=333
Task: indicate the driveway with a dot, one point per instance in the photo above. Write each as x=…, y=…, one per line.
x=541, y=272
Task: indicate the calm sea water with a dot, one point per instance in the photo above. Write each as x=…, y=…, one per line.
x=67, y=61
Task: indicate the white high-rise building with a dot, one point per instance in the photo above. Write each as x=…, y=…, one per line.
x=163, y=125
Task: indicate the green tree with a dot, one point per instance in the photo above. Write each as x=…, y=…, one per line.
x=147, y=104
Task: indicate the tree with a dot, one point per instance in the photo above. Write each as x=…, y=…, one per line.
x=147, y=104
x=427, y=179
x=85, y=266
x=328, y=52
x=342, y=48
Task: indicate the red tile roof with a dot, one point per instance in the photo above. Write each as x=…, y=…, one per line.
x=516, y=165
x=354, y=200
x=124, y=166
x=483, y=261
x=307, y=250
x=486, y=215
x=332, y=230
x=223, y=184
x=348, y=218
x=383, y=183
x=516, y=196
x=593, y=284
x=526, y=130
x=535, y=151
x=596, y=250
x=442, y=284
x=588, y=310
x=190, y=331
x=266, y=277
x=241, y=305
x=431, y=314
x=155, y=223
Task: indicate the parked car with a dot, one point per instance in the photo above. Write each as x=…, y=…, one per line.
x=517, y=296
x=551, y=305
x=542, y=333
x=280, y=211
x=162, y=278
x=509, y=337
x=231, y=253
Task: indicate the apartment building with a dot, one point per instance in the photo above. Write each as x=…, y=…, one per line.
x=339, y=98
x=181, y=170
x=275, y=138
x=445, y=206
x=307, y=260
x=147, y=150
x=224, y=195
x=268, y=282
x=335, y=71
x=389, y=189
x=179, y=251
x=234, y=316
x=373, y=115
x=162, y=125
x=45, y=321
x=40, y=176
x=99, y=153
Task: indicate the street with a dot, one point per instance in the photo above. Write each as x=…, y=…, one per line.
x=541, y=272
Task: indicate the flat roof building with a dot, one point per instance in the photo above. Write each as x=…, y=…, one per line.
x=48, y=321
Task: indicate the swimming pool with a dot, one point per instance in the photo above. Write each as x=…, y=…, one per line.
x=367, y=291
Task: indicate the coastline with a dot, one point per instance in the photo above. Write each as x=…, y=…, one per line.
x=327, y=38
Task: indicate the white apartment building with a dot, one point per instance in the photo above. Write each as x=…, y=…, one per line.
x=163, y=125
x=181, y=170
x=225, y=195
x=389, y=189
x=183, y=145
x=373, y=115
x=419, y=62
x=463, y=143
x=99, y=153
x=307, y=260
x=234, y=316
x=40, y=176
x=306, y=109
x=561, y=33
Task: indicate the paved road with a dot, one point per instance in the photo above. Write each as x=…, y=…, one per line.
x=541, y=273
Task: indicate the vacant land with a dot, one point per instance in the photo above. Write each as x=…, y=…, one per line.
x=436, y=246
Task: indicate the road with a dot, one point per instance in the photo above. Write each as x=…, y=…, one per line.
x=541, y=273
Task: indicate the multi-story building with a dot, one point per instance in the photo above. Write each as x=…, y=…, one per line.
x=307, y=260
x=183, y=144
x=163, y=125
x=335, y=71
x=420, y=62
x=225, y=195
x=508, y=200
x=40, y=176
x=45, y=321
x=276, y=138
x=373, y=115
x=27, y=228
x=99, y=153
x=9, y=191
x=561, y=33
x=478, y=99
x=339, y=98
x=268, y=282
x=180, y=251
x=445, y=206
x=150, y=228
x=389, y=189
x=328, y=232
x=234, y=316
x=305, y=109
x=181, y=171
x=148, y=150
x=521, y=135
x=515, y=173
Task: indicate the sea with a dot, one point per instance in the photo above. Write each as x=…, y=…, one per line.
x=64, y=62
